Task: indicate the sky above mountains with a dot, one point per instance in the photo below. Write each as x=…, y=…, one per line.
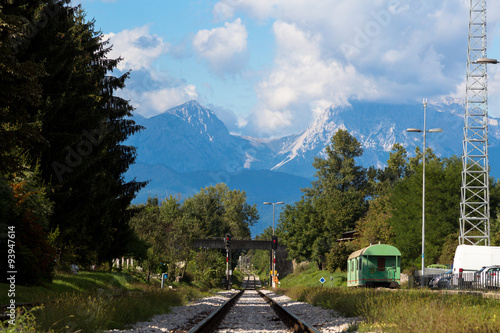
x=268, y=67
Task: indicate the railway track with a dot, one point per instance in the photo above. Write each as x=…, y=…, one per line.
x=245, y=311
x=250, y=310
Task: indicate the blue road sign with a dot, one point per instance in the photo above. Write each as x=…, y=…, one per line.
x=322, y=280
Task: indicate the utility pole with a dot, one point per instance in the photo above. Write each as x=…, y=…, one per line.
x=475, y=197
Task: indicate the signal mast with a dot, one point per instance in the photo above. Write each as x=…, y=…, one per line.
x=475, y=197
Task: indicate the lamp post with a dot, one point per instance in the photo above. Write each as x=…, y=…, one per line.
x=424, y=131
x=273, y=266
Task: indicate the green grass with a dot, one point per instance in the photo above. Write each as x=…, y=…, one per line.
x=310, y=276
x=397, y=311
x=82, y=282
x=383, y=310
x=92, y=302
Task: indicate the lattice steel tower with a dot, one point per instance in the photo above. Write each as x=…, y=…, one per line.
x=475, y=198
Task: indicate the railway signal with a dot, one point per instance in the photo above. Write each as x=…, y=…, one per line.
x=227, y=241
x=274, y=244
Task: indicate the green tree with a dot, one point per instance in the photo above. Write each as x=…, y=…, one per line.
x=340, y=192
x=441, y=209
x=375, y=227
x=20, y=90
x=338, y=255
x=78, y=125
x=331, y=206
x=219, y=210
x=147, y=225
x=300, y=226
x=398, y=167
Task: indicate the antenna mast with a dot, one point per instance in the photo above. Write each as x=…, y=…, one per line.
x=475, y=197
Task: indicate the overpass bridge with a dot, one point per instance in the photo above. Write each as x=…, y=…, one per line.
x=236, y=244
x=283, y=265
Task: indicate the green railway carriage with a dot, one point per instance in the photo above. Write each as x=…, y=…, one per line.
x=374, y=266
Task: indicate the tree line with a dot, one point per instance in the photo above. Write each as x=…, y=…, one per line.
x=166, y=230
x=381, y=205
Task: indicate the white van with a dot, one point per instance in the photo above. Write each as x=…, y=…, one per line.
x=471, y=258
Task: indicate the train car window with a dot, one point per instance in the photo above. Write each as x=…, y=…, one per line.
x=359, y=263
x=381, y=264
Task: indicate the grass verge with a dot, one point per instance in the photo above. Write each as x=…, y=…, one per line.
x=92, y=302
x=406, y=310
x=309, y=276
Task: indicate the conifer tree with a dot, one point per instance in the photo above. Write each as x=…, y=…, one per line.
x=83, y=125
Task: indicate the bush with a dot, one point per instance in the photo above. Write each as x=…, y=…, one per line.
x=338, y=255
x=24, y=206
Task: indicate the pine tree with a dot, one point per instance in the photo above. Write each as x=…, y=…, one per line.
x=83, y=125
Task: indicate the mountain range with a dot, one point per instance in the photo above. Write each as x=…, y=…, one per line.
x=187, y=148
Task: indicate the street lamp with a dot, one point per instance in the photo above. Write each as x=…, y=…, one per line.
x=274, y=203
x=486, y=61
x=273, y=268
x=424, y=131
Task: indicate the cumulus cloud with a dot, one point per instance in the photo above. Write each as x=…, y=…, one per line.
x=331, y=52
x=303, y=81
x=224, y=48
x=157, y=98
x=138, y=48
x=150, y=89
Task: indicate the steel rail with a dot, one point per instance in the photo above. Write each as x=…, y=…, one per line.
x=213, y=320
x=292, y=321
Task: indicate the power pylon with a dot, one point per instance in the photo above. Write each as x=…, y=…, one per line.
x=475, y=198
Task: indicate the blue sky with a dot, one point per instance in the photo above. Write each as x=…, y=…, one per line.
x=269, y=67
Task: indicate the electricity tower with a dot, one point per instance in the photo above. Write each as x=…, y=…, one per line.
x=475, y=198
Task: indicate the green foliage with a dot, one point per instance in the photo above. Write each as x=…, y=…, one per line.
x=83, y=282
x=441, y=209
x=295, y=225
x=209, y=267
x=375, y=227
x=25, y=321
x=25, y=207
x=331, y=206
x=338, y=255
x=260, y=262
x=218, y=210
x=92, y=313
x=167, y=230
x=59, y=112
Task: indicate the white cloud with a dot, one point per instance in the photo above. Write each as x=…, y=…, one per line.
x=138, y=48
x=303, y=81
x=223, y=48
x=152, y=102
x=330, y=52
x=150, y=89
